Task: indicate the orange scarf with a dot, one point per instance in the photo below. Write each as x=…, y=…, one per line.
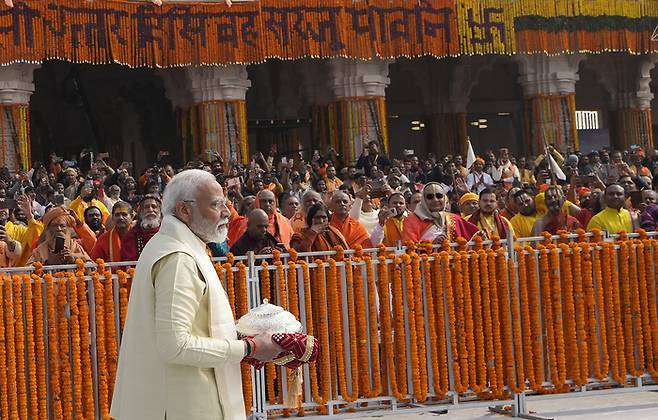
x=353, y=231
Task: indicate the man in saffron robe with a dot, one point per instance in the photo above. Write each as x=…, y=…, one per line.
x=391, y=222
x=239, y=217
x=148, y=224
x=353, y=231
x=298, y=220
x=279, y=225
x=556, y=219
x=488, y=219
x=430, y=221
x=108, y=245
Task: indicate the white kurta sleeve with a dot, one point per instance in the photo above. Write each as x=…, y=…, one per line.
x=179, y=289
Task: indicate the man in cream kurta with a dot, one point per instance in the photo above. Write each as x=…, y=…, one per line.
x=180, y=356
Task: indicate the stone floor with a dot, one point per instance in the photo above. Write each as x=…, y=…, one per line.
x=628, y=406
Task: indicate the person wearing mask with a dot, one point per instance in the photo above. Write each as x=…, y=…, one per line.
x=320, y=235
x=391, y=222
x=148, y=224
x=431, y=221
x=108, y=245
x=468, y=204
x=10, y=249
x=524, y=220
x=488, y=219
x=353, y=231
x=94, y=219
x=87, y=199
x=309, y=199
x=58, y=246
x=256, y=238
x=557, y=218
x=614, y=218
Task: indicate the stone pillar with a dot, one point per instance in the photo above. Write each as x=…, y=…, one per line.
x=359, y=111
x=549, y=90
x=627, y=79
x=219, y=113
x=178, y=92
x=16, y=87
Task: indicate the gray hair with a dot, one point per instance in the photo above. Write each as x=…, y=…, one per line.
x=183, y=187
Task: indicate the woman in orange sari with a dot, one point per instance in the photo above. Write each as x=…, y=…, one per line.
x=320, y=236
x=430, y=221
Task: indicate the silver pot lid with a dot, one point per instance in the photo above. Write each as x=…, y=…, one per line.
x=267, y=317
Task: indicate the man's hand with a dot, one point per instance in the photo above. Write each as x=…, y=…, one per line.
x=75, y=217
x=66, y=254
x=25, y=205
x=266, y=348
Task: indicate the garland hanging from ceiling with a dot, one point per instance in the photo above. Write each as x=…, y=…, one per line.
x=179, y=34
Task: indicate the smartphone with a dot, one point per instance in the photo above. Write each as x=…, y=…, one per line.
x=233, y=181
x=59, y=244
x=103, y=155
x=59, y=199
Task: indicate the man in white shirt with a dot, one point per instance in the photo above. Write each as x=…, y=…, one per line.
x=478, y=180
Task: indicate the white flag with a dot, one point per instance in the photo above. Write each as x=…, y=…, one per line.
x=470, y=156
x=555, y=168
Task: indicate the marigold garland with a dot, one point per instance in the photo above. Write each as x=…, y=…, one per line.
x=411, y=319
x=241, y=308
x=85, y=354
x=569, y=314
x=458, y=295
x=4, y=401
x=230, y=286
x=21, y=382
x=323, y=333
x=635, y=265
x=556, y=296
x=376, y=387
x=399, y=329
x=547, y=307
x=467, y=260
x=265, y=293
x=431, y=326
x=626, y=310
x=421, y=394
x=488, y=323
x=53, y=349
x=123, y=297
x=75, y=346
x=452, y=322
x=583, y=290
x=33, y=382
x=613, y=305
x=651, y=253
x=39, y=344
x=525, y=277
x=494, y=276
x=110, y=333
x=280, y=281
x=101, y=353
x=64, y=348
x=600, y=372
x=519, y=386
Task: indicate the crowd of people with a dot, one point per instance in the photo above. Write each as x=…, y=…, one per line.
x=88, y=208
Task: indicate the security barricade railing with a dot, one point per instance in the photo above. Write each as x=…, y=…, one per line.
x=397, y=326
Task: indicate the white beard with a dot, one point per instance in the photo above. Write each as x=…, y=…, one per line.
x=207, y=232
x=150, y=222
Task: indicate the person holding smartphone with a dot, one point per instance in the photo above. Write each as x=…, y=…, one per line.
x=58, y=246
x=391, y=222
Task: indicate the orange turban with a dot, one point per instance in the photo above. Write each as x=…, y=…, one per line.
x=56, y=212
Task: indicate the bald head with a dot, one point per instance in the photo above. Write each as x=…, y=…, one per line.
x=266, y=201
x=340, y=204
x=257, y=223
x=310, y=199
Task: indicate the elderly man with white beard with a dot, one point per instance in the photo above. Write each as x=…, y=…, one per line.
x=148, y=224
x=180, y=355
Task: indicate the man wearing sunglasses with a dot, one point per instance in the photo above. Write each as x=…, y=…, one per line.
x=431, y=222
